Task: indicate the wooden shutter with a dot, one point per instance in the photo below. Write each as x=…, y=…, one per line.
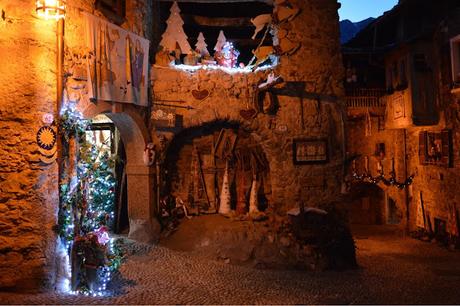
x=446, y=159
x=422, y=148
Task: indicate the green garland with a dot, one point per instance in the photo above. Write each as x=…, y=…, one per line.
x=86, y=211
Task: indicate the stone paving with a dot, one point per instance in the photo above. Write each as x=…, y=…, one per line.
x=394, y=269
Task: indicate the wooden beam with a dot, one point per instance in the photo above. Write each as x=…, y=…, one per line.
x=218, y=22
x=270, y=2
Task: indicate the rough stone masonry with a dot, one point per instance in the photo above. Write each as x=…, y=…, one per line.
x=29, y=189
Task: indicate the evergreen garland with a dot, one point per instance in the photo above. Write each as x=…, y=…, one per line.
x=86, y=211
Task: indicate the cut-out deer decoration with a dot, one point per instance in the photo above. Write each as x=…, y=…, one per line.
x=260, y=22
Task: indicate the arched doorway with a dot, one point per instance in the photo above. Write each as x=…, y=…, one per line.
x=196, y=161
x=140, y=179
x=367, y=205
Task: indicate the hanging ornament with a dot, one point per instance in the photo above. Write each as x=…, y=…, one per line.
x=149, y=154
x=225, y=196
x=284, y=11
x=283, y=44
x=47, y=118
x=48, y=160
x=248, y=113
x=46, y=141
x=48, y=153
x=46, y=138
x=200, y=94
x=260, y=22
x=102, y=235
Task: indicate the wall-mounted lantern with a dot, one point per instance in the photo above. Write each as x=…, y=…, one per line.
x=50, y=9
x=55, y=9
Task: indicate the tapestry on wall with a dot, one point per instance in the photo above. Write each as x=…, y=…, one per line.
x=117, y=63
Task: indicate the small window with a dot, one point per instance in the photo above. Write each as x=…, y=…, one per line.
x=402, y=74
x=389, y=80
x=455, y=60
x=421, y=63
x=115, y=10
x=395, y=73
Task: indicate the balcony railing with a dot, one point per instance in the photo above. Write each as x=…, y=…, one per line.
x=365, y=97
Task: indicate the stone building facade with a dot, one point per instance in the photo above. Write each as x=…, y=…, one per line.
x=29, y=188
x=417, y=98
x=29, y=197
x=315, y=65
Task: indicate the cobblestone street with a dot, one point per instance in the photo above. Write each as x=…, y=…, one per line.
x=394, y=269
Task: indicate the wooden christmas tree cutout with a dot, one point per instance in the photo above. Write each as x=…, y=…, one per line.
x=175, y=33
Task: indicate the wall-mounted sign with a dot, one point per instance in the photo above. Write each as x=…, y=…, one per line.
x=310, y=151
x=164, y=117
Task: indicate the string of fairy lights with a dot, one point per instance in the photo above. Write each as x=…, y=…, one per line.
x=366, y=176
x=87, y=210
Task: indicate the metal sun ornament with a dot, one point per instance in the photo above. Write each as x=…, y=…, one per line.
x=50, y=9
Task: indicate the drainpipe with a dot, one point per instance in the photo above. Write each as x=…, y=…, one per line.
x=406, y=190
x=60, y=64
x=344, y=145
x=59, y=96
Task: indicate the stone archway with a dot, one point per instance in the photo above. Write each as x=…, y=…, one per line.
x=201, y=146
x=143, y=225
x=367, y=205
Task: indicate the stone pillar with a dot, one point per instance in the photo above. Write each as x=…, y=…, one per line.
x=143, y=226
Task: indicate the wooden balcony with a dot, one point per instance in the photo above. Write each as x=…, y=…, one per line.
x=365, y=98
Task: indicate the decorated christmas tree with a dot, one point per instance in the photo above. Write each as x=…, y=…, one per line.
x=86, y=210
x=221, y=40
x=175, y=33
x=201, y=46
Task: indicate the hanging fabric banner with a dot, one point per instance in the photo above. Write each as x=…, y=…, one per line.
x=368, y=123
x=117, y=63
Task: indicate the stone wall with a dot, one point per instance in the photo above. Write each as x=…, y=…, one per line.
x=360, y=144
x=436, y=185
x=28, y=188
x=318, y=64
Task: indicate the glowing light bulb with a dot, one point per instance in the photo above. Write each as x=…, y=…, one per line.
x=50, y=9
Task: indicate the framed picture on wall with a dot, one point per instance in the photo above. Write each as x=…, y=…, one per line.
x=310, y=151
x=399, y=110
x=435, y=148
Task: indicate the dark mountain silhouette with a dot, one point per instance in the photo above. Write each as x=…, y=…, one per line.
x=349, y=29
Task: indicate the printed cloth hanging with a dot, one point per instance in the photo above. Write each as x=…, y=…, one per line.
x=452, y=219
x=420, y=219
x=117, y=63
x=368, y=123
